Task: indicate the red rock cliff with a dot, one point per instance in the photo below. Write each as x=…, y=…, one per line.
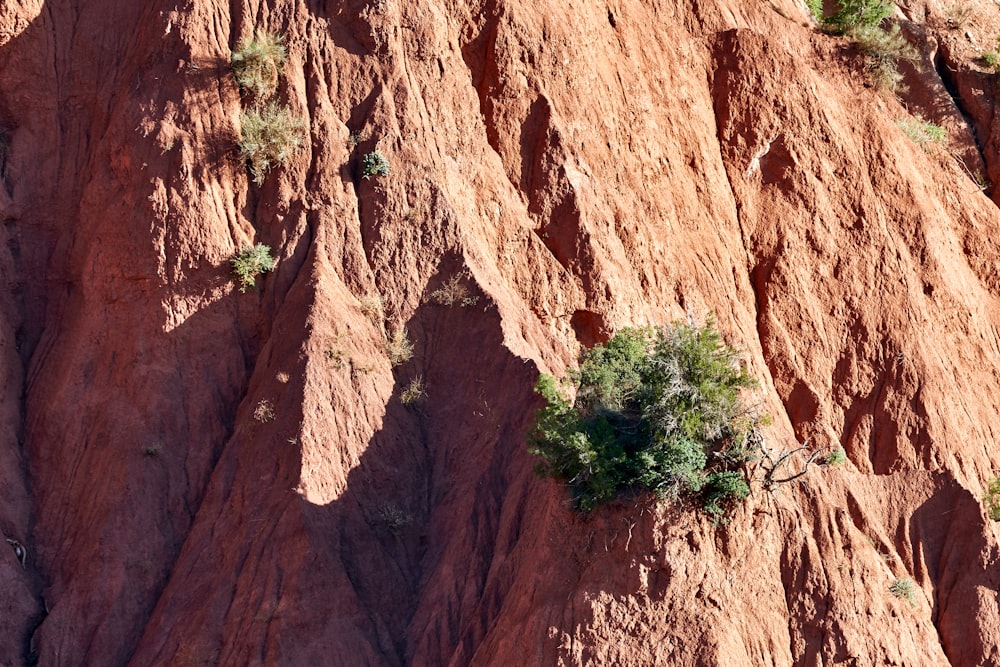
x=576, y=167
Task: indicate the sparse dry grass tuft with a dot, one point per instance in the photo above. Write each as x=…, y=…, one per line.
x=922, y=132
x=452, y=291
x=264, y=412
x=399, y=347
x=268, y=137
x=414, y=392
x=373, y=307
x=257, y=64
x=958, y=14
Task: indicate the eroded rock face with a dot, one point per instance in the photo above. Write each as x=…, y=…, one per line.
x=200, y=476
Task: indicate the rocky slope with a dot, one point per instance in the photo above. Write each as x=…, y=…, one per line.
x=194, y=475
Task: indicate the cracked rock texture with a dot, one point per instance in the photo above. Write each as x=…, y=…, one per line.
x=199, y=476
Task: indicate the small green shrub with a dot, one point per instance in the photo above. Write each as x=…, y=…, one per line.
x=981, y=181
x=722, y=488
x=268, y=137
x=836, y=458
x=815, y=8
x=922, y=131
x=394, y=518
x=905, y=589
x=883, y=50
x=655, y=409
x=992, y=60
x=854, y=14
x=257, y=64
x=993, y=499
x=250, y=262
x=374, y=164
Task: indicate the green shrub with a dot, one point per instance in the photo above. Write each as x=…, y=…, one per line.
x=883, y=49
x=993, y=499
x=374, y=164
x=394, y=518
x=854, y=14
x=992, y=60
x=815, y=8
x=722, y=488
x=836, y=458
x=257, y=64
x=656, y=409
x=268, y=137
x=922, y=131
x=905, y=589
x=250, y=262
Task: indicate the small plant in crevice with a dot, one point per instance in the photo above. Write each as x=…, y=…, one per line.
x=152, y=451
x=991, y=58
x=656, y=409
x=373, y=307
x=250, y=262
x=992, y=499
x=398, y=347
x=837, y=457
x=981, y=181
x=414, y=392
x=453, y=292
x=268, y=137
x=374, y=164
x=257, y=64
x=336, y=356
x=904, y=588
x=264, y=412
x=922, y=132
x=394, y=518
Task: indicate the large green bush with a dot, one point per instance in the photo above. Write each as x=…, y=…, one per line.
x=656, y=409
